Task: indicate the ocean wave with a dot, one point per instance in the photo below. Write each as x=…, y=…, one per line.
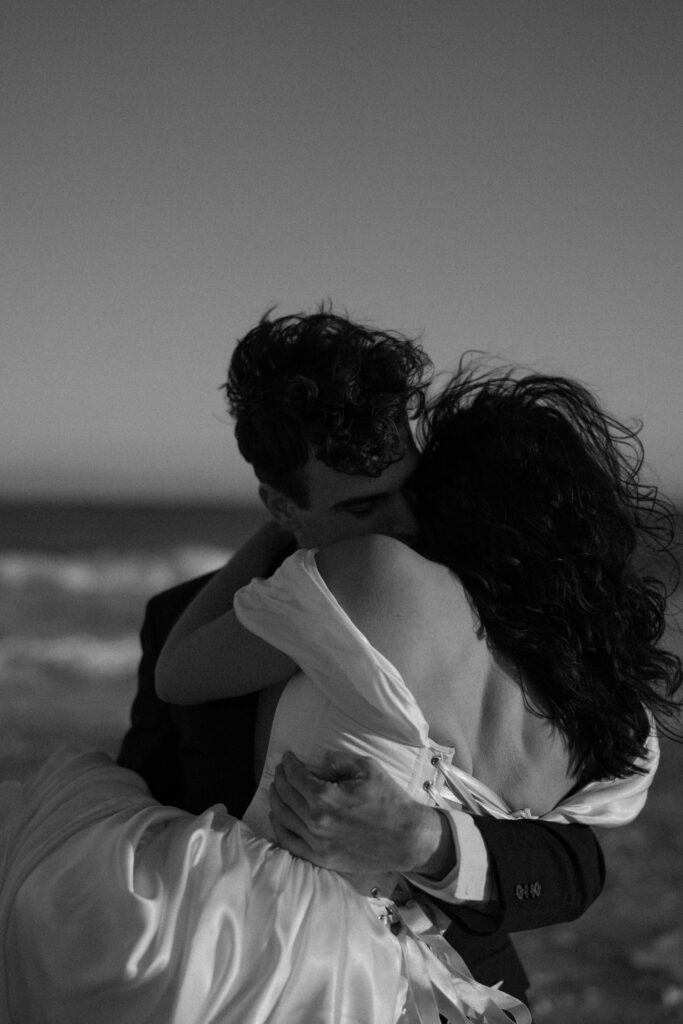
x=109, y=572
x=80, y=653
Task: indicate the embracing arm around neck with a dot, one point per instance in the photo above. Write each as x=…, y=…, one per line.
x=208, y=654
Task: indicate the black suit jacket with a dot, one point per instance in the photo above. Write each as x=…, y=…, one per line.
x=193, y=757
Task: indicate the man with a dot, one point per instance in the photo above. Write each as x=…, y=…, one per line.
x=322, y=408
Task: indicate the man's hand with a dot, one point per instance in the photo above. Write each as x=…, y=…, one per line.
x=349, y=815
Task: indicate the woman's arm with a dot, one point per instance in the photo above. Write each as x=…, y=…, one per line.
x=208, y=654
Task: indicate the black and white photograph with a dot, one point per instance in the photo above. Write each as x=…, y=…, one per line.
x=341, y=515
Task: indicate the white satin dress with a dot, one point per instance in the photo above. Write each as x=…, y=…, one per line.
x=117, y=910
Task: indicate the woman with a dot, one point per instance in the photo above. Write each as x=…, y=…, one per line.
x=510, y=666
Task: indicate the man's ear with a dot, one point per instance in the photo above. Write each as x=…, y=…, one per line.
x=282, y=509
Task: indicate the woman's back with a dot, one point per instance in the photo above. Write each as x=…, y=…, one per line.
x=417, y=614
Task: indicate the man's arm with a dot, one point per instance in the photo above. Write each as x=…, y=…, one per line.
x=540, y=873
x=183, y=753
x=545, y=873
x=189, y=757
x=151, y=745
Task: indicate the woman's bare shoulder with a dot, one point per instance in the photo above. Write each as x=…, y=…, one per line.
x=373, y=565
x=392, y=593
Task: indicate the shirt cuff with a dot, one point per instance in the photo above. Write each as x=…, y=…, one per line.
x=471, y=880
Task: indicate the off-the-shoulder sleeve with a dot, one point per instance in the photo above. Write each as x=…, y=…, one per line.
x=296, y=612
x=606, y=803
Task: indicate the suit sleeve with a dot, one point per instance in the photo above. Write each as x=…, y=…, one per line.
x=151, y=747
x=544, y=874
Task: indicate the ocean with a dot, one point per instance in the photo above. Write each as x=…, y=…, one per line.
x=74, y=581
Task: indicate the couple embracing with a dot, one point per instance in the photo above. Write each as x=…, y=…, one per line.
x=377, y=738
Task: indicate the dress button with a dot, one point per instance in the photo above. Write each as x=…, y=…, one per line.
x=426, y=785
x=375, y=892
x=435, y=760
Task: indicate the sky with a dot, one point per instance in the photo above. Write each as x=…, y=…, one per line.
x=498, y=175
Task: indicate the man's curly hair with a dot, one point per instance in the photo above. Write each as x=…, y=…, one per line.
x=321, y=386
x=531, y=494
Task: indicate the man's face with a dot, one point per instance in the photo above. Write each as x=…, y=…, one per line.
x=341, y=506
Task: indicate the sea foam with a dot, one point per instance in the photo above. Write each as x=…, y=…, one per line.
x=107, y=572
x=80, y=653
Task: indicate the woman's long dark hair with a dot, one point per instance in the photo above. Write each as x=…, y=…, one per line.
x=531, y=494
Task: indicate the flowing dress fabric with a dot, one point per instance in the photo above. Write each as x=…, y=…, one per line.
x=117, y=910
